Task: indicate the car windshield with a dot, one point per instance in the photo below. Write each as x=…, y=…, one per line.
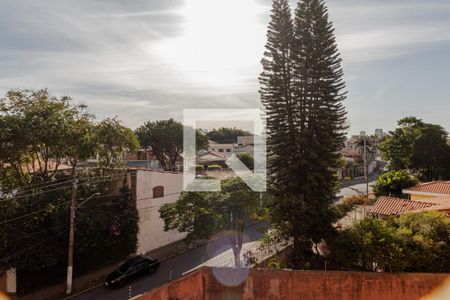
x=128, y=264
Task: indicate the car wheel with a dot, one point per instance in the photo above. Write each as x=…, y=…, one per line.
x=121, y=283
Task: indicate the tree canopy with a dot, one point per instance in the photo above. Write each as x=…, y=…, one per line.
x=413, y=242
x=225, y=135
x=302, y=90
x=392, y=183
x=419, y=147
x=166, y=140
x=38, y=134
x=202, y=214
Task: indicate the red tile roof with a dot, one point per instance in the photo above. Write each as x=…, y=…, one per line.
x=434, y=187
x=388, y=206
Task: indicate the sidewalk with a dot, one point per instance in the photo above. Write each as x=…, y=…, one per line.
x=96, y=278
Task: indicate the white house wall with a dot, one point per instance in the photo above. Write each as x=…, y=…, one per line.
x=151, y=227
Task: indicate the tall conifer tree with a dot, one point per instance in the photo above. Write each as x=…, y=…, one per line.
x=306, y=130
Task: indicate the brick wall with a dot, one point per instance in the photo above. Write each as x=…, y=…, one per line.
x=314, y=285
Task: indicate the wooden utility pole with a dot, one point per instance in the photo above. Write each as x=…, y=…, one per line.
x=73, y=203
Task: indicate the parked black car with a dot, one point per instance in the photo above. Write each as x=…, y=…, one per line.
x=132, y=268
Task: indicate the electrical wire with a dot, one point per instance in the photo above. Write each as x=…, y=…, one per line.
x=31, y=214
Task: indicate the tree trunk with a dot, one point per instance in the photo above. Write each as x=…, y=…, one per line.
x=236, y=240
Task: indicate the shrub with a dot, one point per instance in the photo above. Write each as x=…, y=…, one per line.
x=413, y=242
x=214, y=167
x=392, y=183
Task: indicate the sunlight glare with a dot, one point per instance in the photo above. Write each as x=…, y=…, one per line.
x=222, y=40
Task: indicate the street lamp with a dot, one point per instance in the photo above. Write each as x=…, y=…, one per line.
x=73, y=207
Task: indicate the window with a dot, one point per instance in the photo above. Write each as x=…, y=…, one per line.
x=220, y=150
x=228, y=150
x=158, y=192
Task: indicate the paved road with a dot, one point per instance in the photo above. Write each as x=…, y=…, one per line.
x=357, y=187
x=214, y=253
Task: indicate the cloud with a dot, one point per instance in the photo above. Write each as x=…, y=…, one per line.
x=146, y=59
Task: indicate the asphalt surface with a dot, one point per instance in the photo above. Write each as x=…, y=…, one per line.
x=216, y=252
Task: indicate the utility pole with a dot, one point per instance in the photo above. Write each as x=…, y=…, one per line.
x=73, y=203
x=366, y=175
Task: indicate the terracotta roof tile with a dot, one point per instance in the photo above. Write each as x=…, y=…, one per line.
x=393, y=206
x=434, y=187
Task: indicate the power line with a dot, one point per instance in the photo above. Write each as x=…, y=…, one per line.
x=31, y=214
x=64, y=187
x=80, y=179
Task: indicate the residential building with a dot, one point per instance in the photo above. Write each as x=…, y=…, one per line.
x=388, y=206
x=153, y=189
x=219, y=149
x=211, y=158
x=428, y=190
x=245, y=140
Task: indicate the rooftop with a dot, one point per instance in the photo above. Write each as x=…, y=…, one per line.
x=388, y=206
x=434, y=188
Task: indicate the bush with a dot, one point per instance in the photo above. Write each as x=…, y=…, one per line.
x=349, y=203
x=392, y=183
x=247, y=160
x=214, y=167
x=199, y=168
x=413, y=242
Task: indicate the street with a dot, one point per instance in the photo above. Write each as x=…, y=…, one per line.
x=357, y=186
x=216, y=252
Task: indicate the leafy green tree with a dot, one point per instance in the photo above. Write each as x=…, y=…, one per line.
x=226, y=135
x=413, y=242
x=431, y=153
x=302, y=90
x=114, y=140
x=39, y=132
x=419, y=147
x=392, y=183
x=202, y=214
x=247, y=160
x=166, y=140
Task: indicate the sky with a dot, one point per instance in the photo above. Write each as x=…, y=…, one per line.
x=148, y=59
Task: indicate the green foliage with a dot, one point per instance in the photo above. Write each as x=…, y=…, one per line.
x=419, y=147
x=349, y=203
x=40, y=240
x=202, y=214
x=166, y=140
x=411, y=242
x=114, y=140
x=302, y=89
x=392, y=183
x=226, y=135
x=199, y=167
x=214, y=167
x=38, y=132
x=247, y=160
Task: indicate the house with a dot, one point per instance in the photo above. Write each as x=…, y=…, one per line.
x=219, y=149
x=245, y=140
x=428, y=190
x=211, y=158
x=143, y=158
x=152, y=189
x=391, y=206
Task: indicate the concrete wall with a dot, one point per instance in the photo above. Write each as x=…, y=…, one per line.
x=151, y=227
x=313, y=285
